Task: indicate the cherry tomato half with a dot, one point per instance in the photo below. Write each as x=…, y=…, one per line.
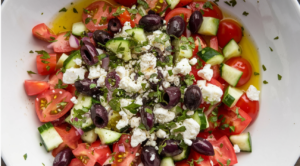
x=242, y=65
x=214, y=12
x=229, y=29
x=250, y=107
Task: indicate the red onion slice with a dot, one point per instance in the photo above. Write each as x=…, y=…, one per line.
x=188, y=32
x=50, y=46
x=210, y=109
x=121, y=148
x=105, y=63
x=79, y=131
x=90, y=34
x=86, y=39
x=73, y=41
x=112, y=75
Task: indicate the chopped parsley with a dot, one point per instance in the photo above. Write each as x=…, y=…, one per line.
x=276, y=38
x=189, y=79
x=238, y=115
x=142, y=126
x=60, y=85
x=245, y=13
x=279, y=77
x=256, y=73
x=228, y=162
x=87, y=20
x=104, y=7
x=63, y=10
x=133, y=108
x=231, y=3
x=31, y=52
x=115, y=104
x=197, y=5
x=160, y=148
x=75, y=10
x=264, y=67
x=143, y=3
x=148, y=110
x=221, y=145
x=232, y=128
x=207, y=5
x=25, y=156
x=93, y=86
x=30, y=72
x=170, y=72
x=271, y=49
x=44, y=53
x=180, y=129
x=220, y=162
x=118, y=12
x=199, y=64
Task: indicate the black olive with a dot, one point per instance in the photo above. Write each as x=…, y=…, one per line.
x=195, y=22
x=192, y=97
x=99, y=115
x=114, y=25
x=151, y=22
x=176, y=26
x=101, y=37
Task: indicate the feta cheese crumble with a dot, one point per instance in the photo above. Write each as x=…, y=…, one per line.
x=122, y=122
x=138, y=137
x=78, y=61
x=192, y=129
x=148, y=64
x=212, y=93
x=253, y=93
x=74, y=100
x=129, y=86
x=193, y=61
x=96, y=72
x=206, y=73
x=72, y=74
x=236, y=148
x=188, y=142
x=122, y=72
x=163, y=115
x=183, y=67
x=152, y=157
x=135, y=122
x=161, y=134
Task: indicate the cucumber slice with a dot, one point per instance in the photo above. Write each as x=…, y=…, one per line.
x=201, y=119
x=78, y=28
x=232, y=49
x=243, y=141
x=211, y=56
x=172, y=3
x=120, y=45
x=89, y=136
x=230, y=74
x=83, y=101
x=209, y=26
x=69, y=62
x=182, y=51
x=107, y=136
x=183, y=155
x=50, y=137
x=231, y=96
x=138, y=34
x=88, y=125
x=61, y=61
x=167, y=161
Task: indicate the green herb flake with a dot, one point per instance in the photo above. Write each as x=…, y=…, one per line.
x=41, y=144
x=31, y=52
x=264, y=67
x=44, y=53
x=144, y=86
x=148, y=110
x=43, y=164
x=180, y=129
x=25, y=156
x=143, y=3
x=228, y=162
x=232, y=128
x=245, y=13
x=118, y=12
x=30, y=72
x=101, y=56
x=115, y=104
x=207, y=5
x=60, y=85
x=202, y=12
x=256, y=73
x=87, y=20
x=162, y=12
x=93, y=86
x=75, y=10
x=109, y=10
x=271, y=49
x=127, y=140
x=200, y=159
x=104, y=7
x=63, y=10
x=170, y=72
x=160, y=148
x=276, y=38
x=47, y=68
x=221, y=145
x=189, y=79
x=142, y=126
x=279, y=77
x=220, y=162
x=197, y=5
x=132, y=107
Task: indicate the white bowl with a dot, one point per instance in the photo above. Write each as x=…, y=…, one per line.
x=275, y=134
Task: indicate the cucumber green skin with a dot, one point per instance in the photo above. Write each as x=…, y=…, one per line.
x=139, y=34
x=249, y=141
x=113, y=44
x=209, y=27
x=167, y=161
x=45, y=127
x=227, y=47
x=228, y=99
x=104, y=133
x=172, y=3
x=69, y=63
x=183, y=155
x=201, y=119
x=88, y=128
x=207, y=53
x=221, y=74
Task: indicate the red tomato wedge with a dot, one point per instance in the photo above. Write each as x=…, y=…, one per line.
x=233, y=121
x=242, y=65
x=75, y=162
x=61, y=147
x=183, y=3
x=35, y=87
x=215, y=12
x=186, y=13
x=224, y=151
x=202, y=160
x=43, y=32
x=250, y=107
x=128, y=156
x=52, y=104
x=46, y=66
x=93, y=15
x=213, y=43
x=127, y=3
x=62, y=44
x=103, y=151
x=124, y=17
x=54, y=79
x=69, y=135
x=229, y=29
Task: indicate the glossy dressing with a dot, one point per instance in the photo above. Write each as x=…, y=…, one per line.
x=64, y=21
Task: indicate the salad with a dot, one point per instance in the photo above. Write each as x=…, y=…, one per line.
x=145, y=82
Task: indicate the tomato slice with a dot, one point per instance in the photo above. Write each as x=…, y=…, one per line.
x=213, y=43
x=202, y=41
x=224, y=151
x=242, y=65
x=43, y=32
x=215, y=12
x=124, y=17
x=76, y=162
x=61, y=147
x=62, y=44
x=35, y=87
x=103, y=151
x=127, y=3
x=52, y=104
x=69, y=135
x=231, y=123
x=186, y=13
x=229, y=29
x=128, y=157
x=54, y=79
x=183, y=3
x=250, y=107
x=46, y=66
x=97, y=15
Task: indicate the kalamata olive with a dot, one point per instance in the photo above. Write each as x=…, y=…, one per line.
x=153, y=84
x=151, y=12
x=171, y=149
x=151, y=22
x=84, y=87
x=203, y=146
x=147, y=156
x=63, y=158
x=156, y=51
x=101, y=37
x=114, y=25
x=99, y=115
x=195, y=22
x=192, y=97
x=89, y=53
x=147, y=117
x=171, y=97
x=112, y=80
x=176, y=26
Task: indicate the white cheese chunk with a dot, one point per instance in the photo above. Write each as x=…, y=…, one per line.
x=72, y=74
x=193, y=61
x=206, y=73
x=78, y=61
x=201, y=83
x=148, y=64
x=74, y=100
x=188, y=142
x=183, y=67
x=122, y=72
x=236, y=148
x=129, y=86
x=135, y=122
x=163, y=115
x=161, y=134
x=122, y=122
x=96, y=72
x=192, y=129
x=138, y=137
x=212, y=93
x=253, y=93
